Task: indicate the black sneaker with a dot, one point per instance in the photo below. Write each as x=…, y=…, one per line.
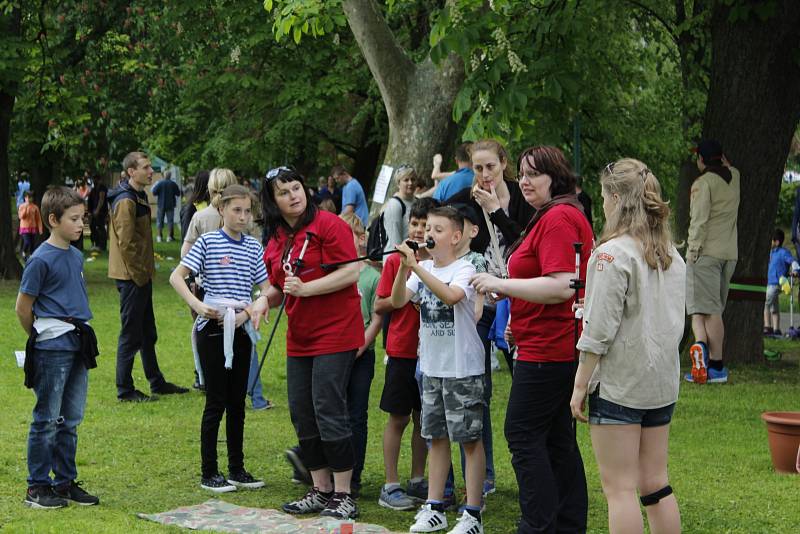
x=243, y=479
x=301, y=474
x=168, y=388
x=136, y=396
x=310, y=503
x=341, y=506
x=217, y=484
x=43, y=498
x=74, y=492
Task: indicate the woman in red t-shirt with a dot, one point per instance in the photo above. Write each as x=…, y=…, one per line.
x=325, y=330
x=539, y=426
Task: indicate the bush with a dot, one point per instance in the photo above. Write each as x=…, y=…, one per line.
x=783, y=217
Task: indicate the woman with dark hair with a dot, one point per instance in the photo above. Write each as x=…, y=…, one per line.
x=325, y=330
x=198, y=199
x=539, y=425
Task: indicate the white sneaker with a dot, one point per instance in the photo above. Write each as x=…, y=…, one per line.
x=467, y=524
x=429, y=520
x=158, y=239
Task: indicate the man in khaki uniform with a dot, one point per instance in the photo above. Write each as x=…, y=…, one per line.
x=711, y=257
x=131, y=265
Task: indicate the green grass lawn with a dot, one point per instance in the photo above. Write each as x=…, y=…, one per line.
x=145, y=458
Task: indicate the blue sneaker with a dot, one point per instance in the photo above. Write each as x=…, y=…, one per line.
x=396, y=499
x=488, y=487
x=717, y=377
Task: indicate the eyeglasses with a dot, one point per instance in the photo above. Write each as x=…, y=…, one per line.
x=530, y=175
x=273, y=173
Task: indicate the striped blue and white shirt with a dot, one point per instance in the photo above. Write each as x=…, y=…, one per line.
x=229, y=268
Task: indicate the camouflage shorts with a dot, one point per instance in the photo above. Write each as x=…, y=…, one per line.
x=452, y=408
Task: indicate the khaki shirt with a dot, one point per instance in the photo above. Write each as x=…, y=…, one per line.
x=633, y=319
x=714, y=210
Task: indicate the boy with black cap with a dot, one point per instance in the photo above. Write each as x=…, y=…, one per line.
x=710, y=258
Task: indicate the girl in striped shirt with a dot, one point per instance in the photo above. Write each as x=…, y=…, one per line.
x=231, y=264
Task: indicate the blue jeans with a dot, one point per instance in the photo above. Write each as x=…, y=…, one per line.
x=257, y=398
x=60, y=386
x=167, y=214
x=358, y=404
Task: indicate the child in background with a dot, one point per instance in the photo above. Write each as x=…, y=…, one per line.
x=231, y=264
x=30, y=224
x=401, y=398
x=364, y=366
x=53, y=308
x=780, y=260
x=452, y=362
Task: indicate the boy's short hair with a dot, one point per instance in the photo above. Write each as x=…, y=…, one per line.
x=57, y=200
x=421, y=207
x=449, y=212
x=354, y=222
x=463, y=153
x=778, y=236
x=29, y=194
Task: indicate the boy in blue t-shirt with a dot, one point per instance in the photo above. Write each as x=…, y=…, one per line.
x=780, y=260
x=53, y=308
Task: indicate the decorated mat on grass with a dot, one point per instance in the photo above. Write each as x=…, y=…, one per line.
x=221, y=516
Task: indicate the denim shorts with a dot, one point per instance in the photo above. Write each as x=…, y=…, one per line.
x=604, y=412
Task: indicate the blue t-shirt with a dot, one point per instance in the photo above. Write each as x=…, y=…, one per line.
x=230, y=268
x=461, y=179
x=353, y=193
x=22, y=186
x=780, y=260
x=55, y=277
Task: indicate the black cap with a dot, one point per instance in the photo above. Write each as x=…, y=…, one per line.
x=467, y=211
x=710, y=150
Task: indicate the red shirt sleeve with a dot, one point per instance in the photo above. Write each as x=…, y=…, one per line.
x=390, y=268
x=556, y=253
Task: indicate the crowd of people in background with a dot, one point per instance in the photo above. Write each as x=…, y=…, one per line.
x=484, y=259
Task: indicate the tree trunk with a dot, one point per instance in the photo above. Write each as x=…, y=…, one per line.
x=753, y=110
x=10, y=267
x=418, y=96
x=687, y=174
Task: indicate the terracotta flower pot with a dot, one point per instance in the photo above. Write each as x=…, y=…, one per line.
x=783, y=431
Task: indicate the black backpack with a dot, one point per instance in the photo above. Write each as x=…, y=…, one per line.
x=376, y=234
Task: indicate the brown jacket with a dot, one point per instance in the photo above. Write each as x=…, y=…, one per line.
x=130, y=251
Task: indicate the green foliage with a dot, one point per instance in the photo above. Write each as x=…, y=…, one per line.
x=783, y=217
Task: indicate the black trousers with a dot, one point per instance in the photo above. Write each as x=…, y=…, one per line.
x=226, y=390
x=544, y=452
x=97, y=226
x=317, y=390
x=137, y=334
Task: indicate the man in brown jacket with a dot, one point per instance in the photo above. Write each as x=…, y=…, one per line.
x=131, y=264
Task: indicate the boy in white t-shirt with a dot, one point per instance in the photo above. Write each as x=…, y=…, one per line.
x=452, y=361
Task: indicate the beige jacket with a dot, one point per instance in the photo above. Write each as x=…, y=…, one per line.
x=714, y=210
x=633, y=318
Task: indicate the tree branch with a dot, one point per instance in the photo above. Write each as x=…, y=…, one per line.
x=387, y=60
x=664, y=22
